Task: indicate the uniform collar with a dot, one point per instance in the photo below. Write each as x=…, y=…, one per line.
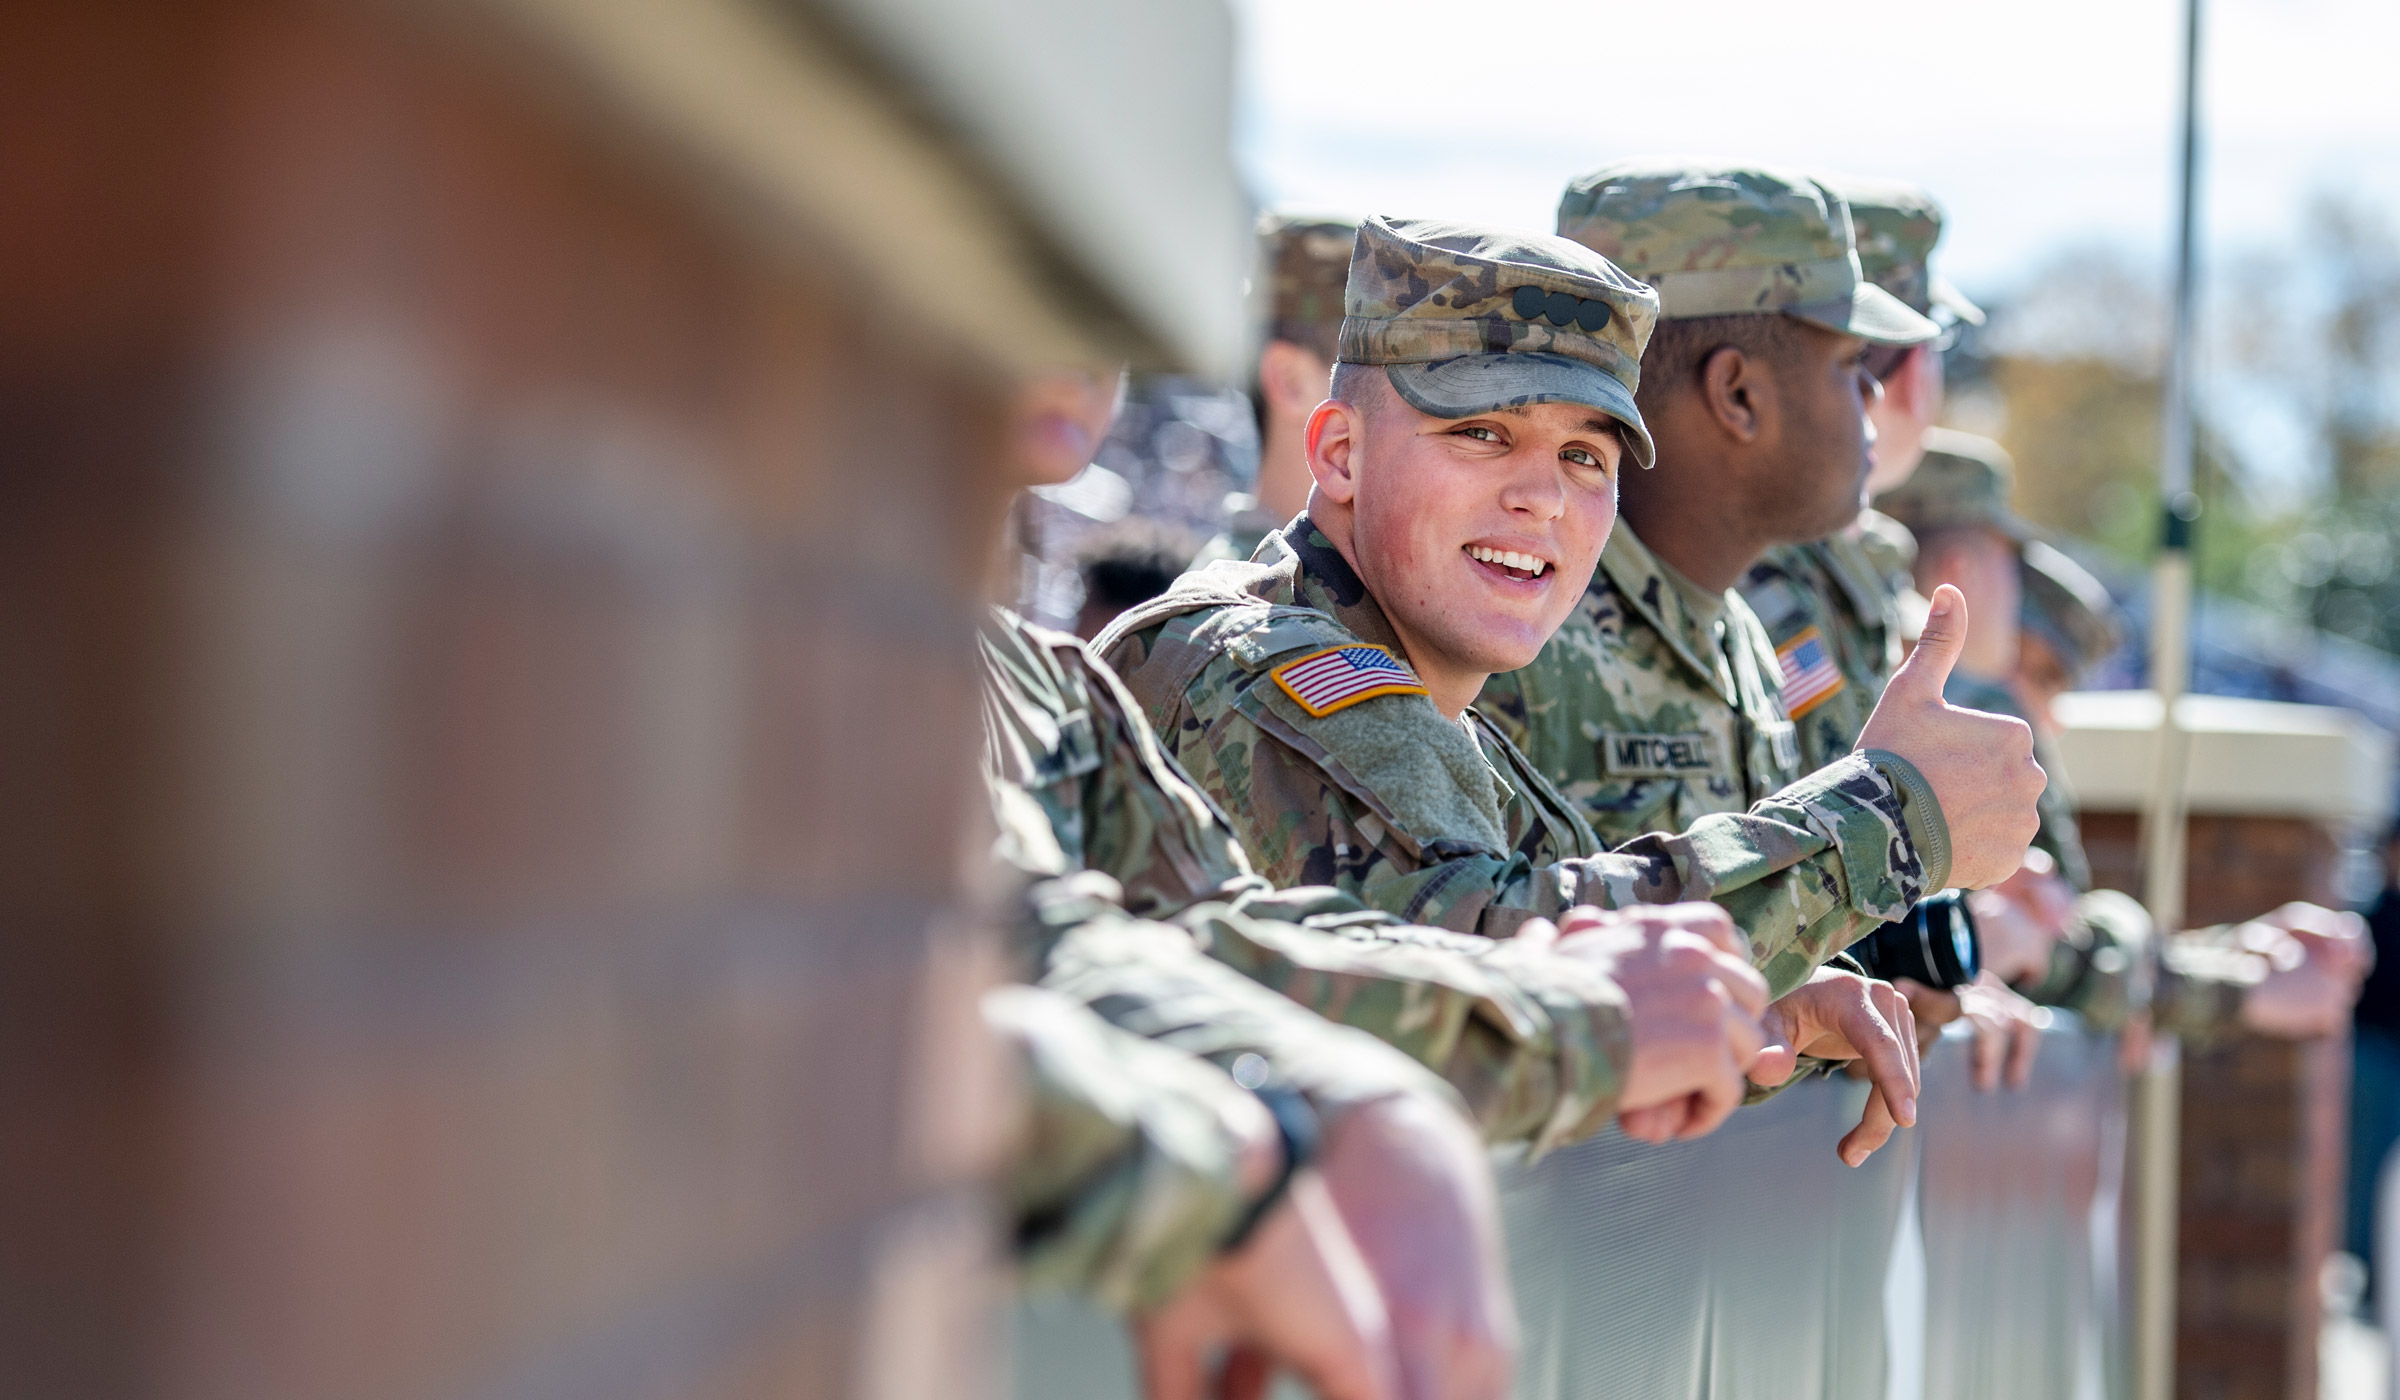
x=1319, y=577
x=1640, y=578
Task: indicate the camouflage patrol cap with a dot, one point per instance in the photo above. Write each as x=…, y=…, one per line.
x=1466, y=320
x=2066, y=607
x=1964, y=480
x=1728, y=240
x=1303, y=266
x=1897, y=226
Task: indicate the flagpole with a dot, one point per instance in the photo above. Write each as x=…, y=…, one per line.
x=2158, y=1091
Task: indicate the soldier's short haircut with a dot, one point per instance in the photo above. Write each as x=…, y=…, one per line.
x=1679, y=348
x=1360, y=386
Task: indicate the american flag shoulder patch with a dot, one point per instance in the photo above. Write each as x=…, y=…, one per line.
x=1337, y=677
x=1809, y=675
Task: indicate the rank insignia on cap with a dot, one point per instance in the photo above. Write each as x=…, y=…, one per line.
x=1809, y=676
x=1337, y=677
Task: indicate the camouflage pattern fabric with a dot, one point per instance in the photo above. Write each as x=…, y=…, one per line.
x=1304, y=267
x=1735, y=240
x=1445, y=822
x=1534, y=1043
x=1838, y=590
x=1654, y=706
x=1897, y=225
x=1451, y=309
x=1124, y=1179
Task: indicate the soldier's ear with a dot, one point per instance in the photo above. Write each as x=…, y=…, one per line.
x=1333, y=437
x=1735, y=389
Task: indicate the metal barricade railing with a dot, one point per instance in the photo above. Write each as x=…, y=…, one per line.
x=1973, y=1257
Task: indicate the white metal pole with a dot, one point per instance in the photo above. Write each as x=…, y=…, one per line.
x=2157, y=1096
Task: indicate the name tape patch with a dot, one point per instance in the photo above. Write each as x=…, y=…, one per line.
x=1809, y=675
x=1654, y=755
x=1338, y=677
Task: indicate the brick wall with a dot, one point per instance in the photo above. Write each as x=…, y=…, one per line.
x=485, y=718
x=2263, y=1122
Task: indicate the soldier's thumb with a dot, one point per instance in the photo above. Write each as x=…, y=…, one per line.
x=1927, y=669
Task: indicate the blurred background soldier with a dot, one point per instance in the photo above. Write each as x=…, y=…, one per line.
x=2293, y=971
x=1302, y=263
x=1129, y=562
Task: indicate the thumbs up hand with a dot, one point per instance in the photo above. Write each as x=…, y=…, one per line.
x=1980, y=765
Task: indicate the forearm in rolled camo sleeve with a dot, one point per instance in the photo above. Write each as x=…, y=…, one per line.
x=1804, y=873
x=1535, y=1044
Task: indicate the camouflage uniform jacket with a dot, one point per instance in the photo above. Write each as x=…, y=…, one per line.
x=1839, y=594
x=2111, y=963
x=1645, y=713
x=1444, y=822
x=1537, y=1045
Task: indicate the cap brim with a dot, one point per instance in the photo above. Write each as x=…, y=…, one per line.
x=1472, y=384
x=1872, y=314
x=1954, y=301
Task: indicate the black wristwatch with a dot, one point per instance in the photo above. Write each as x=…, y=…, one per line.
x=1296, y=1123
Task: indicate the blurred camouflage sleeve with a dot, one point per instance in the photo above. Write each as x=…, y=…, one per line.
x=1536, y=1044
x=2110, y=965
x=1153, y=980
x=1126, y=1176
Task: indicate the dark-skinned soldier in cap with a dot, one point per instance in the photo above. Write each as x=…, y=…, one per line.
x=1303, y=262
x=1465, y=472
x=1655, y=704
x=1836, y=609
x=1842, y=599
x=2290, y=972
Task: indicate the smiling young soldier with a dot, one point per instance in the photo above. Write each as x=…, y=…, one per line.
x=1465, y=481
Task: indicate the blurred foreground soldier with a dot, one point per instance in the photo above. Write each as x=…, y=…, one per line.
x=1465, y=476
x=1845, y=599
x=2292, y=972
x=1303, y=262
x=1131, y=562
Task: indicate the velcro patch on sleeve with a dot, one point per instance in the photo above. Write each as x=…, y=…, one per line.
x=1809, y=676
x=1339, y=677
